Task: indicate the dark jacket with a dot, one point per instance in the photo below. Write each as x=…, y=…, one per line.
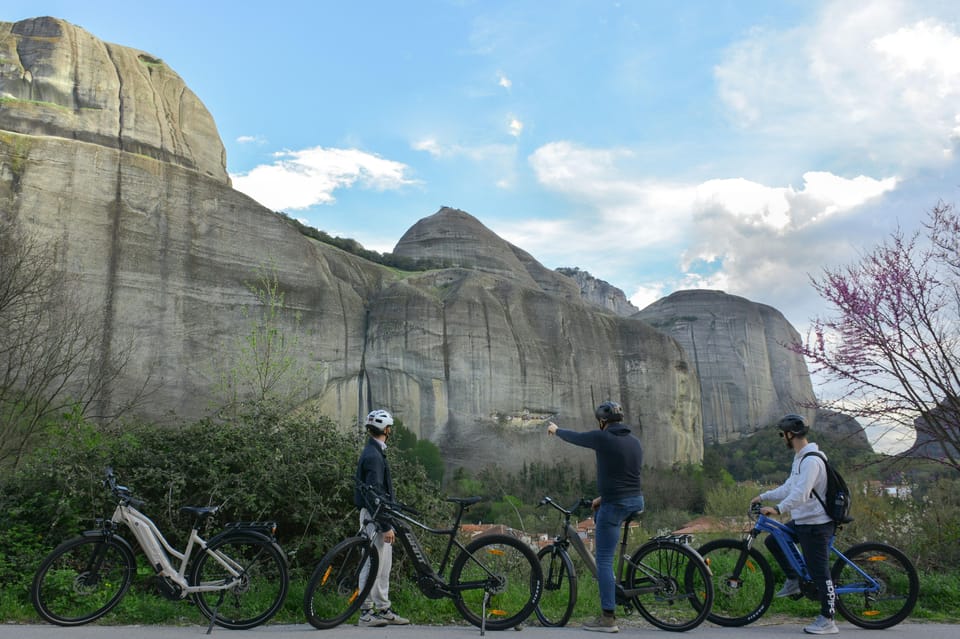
x=619, y=459
x=372, y=470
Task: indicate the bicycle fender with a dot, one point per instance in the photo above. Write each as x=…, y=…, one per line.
x=108, y=534
x=248, y=533
x=241, y=533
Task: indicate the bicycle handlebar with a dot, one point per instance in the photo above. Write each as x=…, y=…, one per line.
x=122, y=493
x=583, y=502
x=377, y=498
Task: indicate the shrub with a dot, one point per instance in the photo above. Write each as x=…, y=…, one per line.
x=298, y=472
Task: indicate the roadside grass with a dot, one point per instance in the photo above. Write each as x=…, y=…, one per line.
x=939, y=602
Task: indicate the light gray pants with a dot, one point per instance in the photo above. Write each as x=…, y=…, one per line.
x=379, y=596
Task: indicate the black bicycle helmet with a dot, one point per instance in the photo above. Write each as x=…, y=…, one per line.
x=609, y=412
x=793, y=423
x=378, y=420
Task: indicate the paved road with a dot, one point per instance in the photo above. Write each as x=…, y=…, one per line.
x=706, y=631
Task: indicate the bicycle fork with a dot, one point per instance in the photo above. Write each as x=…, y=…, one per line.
x=734, y=580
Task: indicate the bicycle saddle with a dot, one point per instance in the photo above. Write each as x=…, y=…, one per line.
x=634, y=515
x=201, y=512
x=465, y=501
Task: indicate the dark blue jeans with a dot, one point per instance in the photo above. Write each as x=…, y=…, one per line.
x=815, y=543
x=608, y=520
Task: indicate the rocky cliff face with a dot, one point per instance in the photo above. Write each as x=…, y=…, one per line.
x=104, y=150
x=61, y=81
x=749, y=378
x=600, y=293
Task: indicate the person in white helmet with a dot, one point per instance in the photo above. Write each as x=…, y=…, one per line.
x=374, y=471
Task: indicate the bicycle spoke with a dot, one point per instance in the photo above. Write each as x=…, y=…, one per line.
x=499, y=575
x=559, y=587
x=878, y=588
x=340, y=582
x=255, y=594
x=676, y=588
x=82, y=580
x=742, y=586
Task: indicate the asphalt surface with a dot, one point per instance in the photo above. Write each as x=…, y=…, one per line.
x=758, y=630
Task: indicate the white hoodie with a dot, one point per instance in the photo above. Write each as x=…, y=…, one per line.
x=795, y=496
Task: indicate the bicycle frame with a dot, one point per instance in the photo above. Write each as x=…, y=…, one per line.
x=785, y=540
x=571, y=537
x=159, y=551
x=421, y=561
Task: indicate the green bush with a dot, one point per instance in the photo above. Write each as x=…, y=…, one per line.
x=297, y=472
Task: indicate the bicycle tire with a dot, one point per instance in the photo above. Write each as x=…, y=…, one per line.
x=738, y=599
x=504, y=571
x=334, y=591
x=559, y=594
x=899, y=585
x=261, y=589
x=82, y=579
x=678, y=576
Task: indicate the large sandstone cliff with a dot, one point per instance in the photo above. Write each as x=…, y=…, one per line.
x=105, y=151
x=61, y=81
x=749, y=377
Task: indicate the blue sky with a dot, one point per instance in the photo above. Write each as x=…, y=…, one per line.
x=735, y=145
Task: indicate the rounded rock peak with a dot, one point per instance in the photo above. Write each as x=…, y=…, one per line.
x=455, y=239
x=56, y=79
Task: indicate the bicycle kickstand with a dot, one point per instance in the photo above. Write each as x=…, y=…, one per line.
x=483, y=613
x=216, y=608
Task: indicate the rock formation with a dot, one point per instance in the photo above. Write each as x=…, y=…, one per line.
x=842, y=426
x=600, y=293
x=60, y=81
x=105, y=151
x=749, y=378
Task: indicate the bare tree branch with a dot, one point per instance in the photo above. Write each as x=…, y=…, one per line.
x=892, y=345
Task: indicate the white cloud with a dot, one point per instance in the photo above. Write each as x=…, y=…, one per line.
x=644, y=296
x=649, y=212
x=516, y=127
x=431, y=146
x=926, y=51
x=250, y=139
x=875, y=79
x=734, y=234
x=493, y=162
x=301, y=179
x=504, y=81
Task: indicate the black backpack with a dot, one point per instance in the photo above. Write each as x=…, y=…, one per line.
x=836, y=503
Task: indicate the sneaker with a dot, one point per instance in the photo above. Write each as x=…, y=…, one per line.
x=822, y=626
x=790, y=587
x=370, y=619
x=603, y=623
x=392, y=618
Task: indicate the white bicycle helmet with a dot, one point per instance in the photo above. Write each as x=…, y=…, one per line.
x=378, y=420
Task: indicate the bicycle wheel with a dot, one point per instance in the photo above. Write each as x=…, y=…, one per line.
x=335, y=590
x=678, y=591
x=559, y=587
x=739, y=597
x=879, y=607
x=255, y=595
x=500, y=575
x=82, y=580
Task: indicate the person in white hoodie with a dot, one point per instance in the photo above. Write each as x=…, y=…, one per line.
x=810, y=523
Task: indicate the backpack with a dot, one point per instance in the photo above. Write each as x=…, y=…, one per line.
x=836, y=503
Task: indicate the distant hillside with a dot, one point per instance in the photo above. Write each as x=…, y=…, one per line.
x=763, y=456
